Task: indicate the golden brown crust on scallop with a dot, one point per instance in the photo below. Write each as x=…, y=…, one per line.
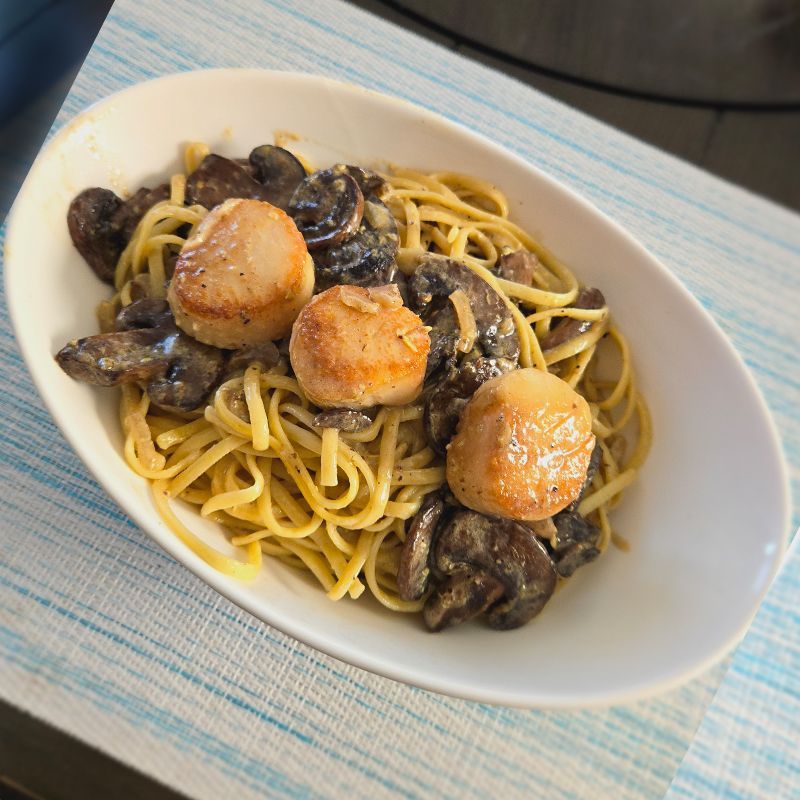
x=522, y=447
x=243, y=277
x=344, y=356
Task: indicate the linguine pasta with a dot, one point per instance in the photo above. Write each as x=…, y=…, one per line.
x=334, y=503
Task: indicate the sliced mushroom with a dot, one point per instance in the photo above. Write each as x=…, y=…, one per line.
x=279, y=171
x=430, y=287
x=414, y=574
x=370, y=183
x=92, y=232
x=245, y=164
x=178, y=372
x=519, y=266
x=144, y=313
x=447, y=398
x=127, y=216
x=460, y=597
x=343, y=419
x=444, y=335
x=194, y=370
x=567, y=328
x=576, y=542
x=452, y=379
x=265, y=354
x=473, y=548
x=366, y=259
x=101, y=224
x=327, y=208
x=218, y=179
x=110, y=359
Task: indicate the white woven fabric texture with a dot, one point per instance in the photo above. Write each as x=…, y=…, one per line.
x=106, y=637
x=746, y=746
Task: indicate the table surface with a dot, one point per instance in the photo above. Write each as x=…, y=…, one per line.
x=105, y=637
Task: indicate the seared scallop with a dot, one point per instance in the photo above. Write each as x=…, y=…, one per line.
x=243, y=277
x=354, y=348
x=522, y=447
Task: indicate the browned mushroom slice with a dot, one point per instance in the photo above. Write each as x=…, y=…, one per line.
x=370, y=183
x=566, y=328
x=148, y=312
x=127, y=216
x=452, y=378
x=109, y=359
x=101, y=224
x=245, y=164
x=89, y=220
x=575, y=543
x=366, y=259
x=327, y=208
x=178, y=371
x=501, y=551
x=194, y=370
x=218, y=179
x=448, y=397
x=279, y=171
x=265, y=354
x=415, y=571
x=460, y=597
x=344, y=419
x=519, y=266
x=444, y=335
x=437, y=277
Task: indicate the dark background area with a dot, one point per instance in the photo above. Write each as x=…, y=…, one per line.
x=716, y=82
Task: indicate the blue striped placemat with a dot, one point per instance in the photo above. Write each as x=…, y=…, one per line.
x=747, y=745
x=106, y=637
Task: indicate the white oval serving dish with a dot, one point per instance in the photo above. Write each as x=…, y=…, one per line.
x=707, y=519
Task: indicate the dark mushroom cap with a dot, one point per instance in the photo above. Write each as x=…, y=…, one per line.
x=194, y=370
x=265, y=354
x=437, y=277
x=101, y=224
x=370, y=183
x=567, y=328
x=110, y=359
x=327, y=208
x=519, y=266
x=504, y=552
x=575, y=542
x=218, y=179
x=144, y=313
x=452, y=378
x=90, y=227
x=460, y=597
x=346, y=420
x=414, y=573
x=127, y=216
x=178, y=371
x=279, y=171
x=365, y=259
x=447, y=398
x=444, y=335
